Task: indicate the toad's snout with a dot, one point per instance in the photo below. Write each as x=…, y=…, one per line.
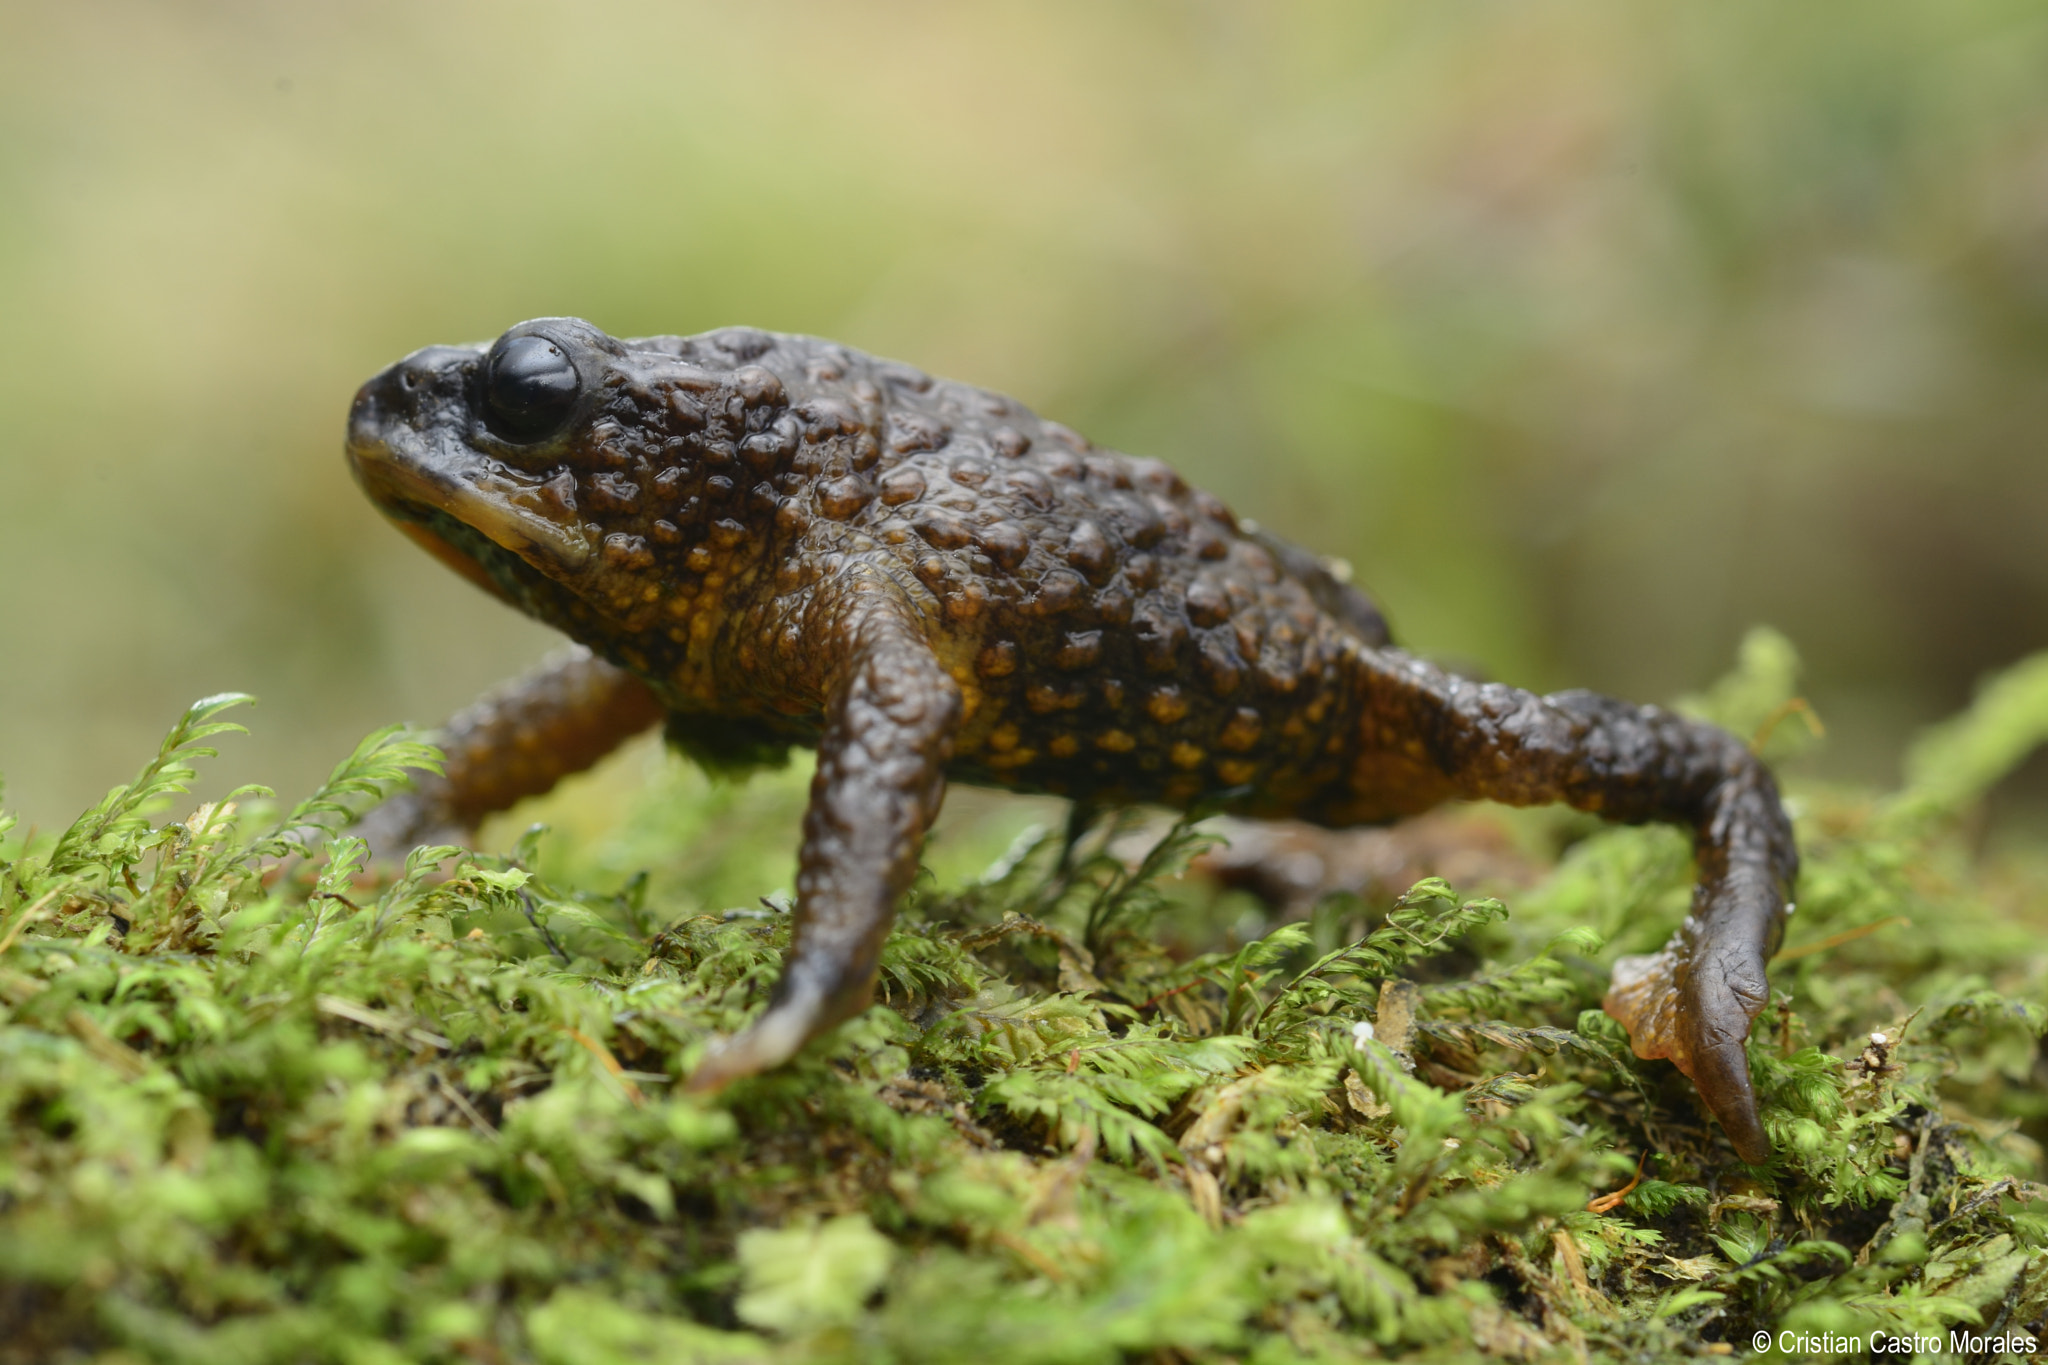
x=409, y=432
x=405, y=395
x=365, y=415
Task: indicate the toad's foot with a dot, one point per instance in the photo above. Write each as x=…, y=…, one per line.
x=1694, y=1001
x=790, y=1022
x=1676, y=1006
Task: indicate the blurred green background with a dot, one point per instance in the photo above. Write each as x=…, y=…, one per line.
x=1592, y=334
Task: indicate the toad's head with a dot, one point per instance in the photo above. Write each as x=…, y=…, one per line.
x=578, y=476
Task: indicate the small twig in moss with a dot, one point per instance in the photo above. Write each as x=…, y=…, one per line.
x=1837, y=940
x=1056, y=1200
x=33, y=912
x=1791, y=706
x=105, y=1046
x=1029, y=1254
x=610, y=1064
x=1990, y=1194
x=1608, y=1203
x=381, y=1021
x=533, y=918
x=1168, y=995
x=1574, y=1264
x=461, y=1102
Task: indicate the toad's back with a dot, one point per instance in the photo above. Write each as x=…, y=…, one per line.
x=1114, y=633
x=777, y=540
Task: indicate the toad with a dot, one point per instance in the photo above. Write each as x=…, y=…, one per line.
x=768, y=540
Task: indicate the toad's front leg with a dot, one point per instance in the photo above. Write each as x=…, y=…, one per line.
x=516, y=741
x=891, y=714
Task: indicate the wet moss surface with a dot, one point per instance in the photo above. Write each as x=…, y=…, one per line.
x=263, y=1104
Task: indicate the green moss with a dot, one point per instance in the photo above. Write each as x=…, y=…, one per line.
x=263, y=1106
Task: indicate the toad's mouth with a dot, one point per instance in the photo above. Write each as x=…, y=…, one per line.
x=511, y=512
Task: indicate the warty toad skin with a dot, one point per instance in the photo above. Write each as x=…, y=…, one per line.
x=774, y=540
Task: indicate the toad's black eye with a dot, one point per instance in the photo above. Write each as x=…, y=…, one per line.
x=529, y=388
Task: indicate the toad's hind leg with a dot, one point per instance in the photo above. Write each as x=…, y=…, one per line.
x=516, y=741
x=1429, y=735
x=889, y=730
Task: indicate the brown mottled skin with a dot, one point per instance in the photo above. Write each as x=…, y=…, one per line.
x=776, y=540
